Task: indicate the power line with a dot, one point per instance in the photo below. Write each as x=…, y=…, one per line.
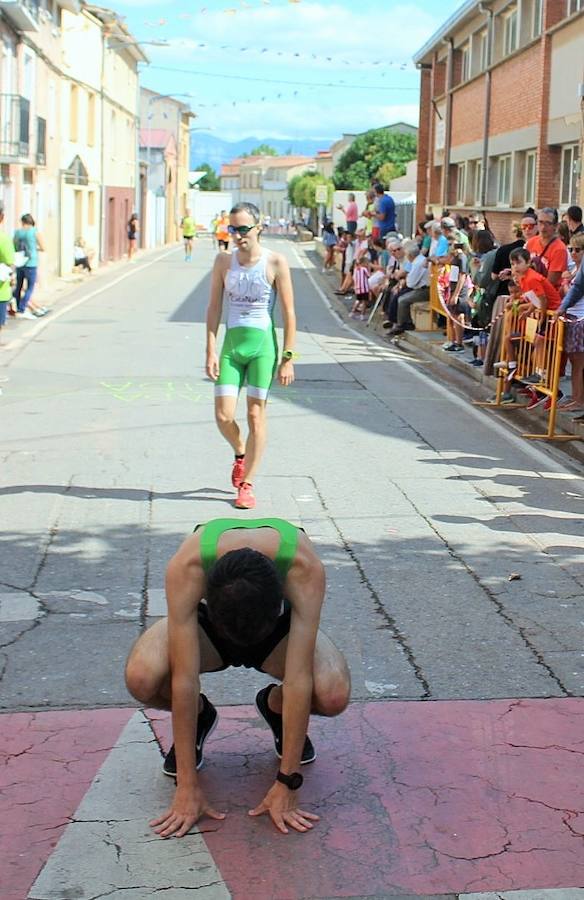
x=340, y=84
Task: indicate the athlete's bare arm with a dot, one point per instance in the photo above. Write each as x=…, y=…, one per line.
x=184, y=591
x=214, y=310
x=285, y=292
x=305, y=589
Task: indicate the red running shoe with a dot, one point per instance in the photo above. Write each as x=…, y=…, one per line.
x=237, y=472
x=245, y=498
x=536, y=400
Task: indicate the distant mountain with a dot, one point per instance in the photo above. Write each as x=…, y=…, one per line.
x=213, y=150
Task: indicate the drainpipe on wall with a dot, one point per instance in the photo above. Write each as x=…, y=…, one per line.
x=487, y=121
x=101, y=256
x=448, y=122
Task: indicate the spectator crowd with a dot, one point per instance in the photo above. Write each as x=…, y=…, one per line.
x=538, y=274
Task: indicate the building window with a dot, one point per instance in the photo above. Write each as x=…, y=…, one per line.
x=483, y=46
x=461, y=184
x=41, y=149
x=530, y=169
x=465, y=62
x=74, y=113
x=570, y=168
x=504, y=181
x=27, y=176
x=575, y=6
x=91, y=120
x=510, y=31
x=536, y=18
x=478, y=182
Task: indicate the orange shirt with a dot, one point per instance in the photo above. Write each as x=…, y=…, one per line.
x=555, y=255
x=533, y=281
x=222, y=230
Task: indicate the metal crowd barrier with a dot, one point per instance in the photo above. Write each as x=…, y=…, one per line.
x=538, y=342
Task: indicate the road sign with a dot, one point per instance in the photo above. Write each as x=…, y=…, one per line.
x=321, y=195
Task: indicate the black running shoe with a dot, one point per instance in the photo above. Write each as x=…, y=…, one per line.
x=206, y=723
x=274, y=720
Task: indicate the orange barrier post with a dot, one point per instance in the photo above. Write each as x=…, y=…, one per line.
x=435, y=305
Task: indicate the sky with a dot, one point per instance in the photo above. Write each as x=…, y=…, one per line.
x=286, y=68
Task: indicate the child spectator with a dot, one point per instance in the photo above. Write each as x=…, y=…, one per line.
x=456, y=297
x=329, y=240
x=361, y=285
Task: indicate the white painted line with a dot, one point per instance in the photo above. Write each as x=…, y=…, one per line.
x=19, y=607
x=52, y=317
x=539, y=456
x=108, y=849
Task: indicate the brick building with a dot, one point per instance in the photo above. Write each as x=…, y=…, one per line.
x=501, y=115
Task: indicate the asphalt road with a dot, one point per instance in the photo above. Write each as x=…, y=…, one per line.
x=421, y=506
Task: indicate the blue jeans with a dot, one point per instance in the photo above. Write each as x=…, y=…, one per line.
x=30, y=273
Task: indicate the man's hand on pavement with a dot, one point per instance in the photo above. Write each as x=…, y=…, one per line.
x=282, y=805
x=189, y=805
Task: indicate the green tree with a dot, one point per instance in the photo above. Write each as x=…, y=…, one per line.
x=302, y=189
x=262, y=150
x=210, y=181
x=369, y=156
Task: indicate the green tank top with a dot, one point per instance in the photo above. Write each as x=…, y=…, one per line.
x=212, y=531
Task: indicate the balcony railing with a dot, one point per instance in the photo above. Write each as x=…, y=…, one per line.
x=14, y=126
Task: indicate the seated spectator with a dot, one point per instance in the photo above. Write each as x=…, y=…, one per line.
x=537, y=295
x=573, y=219
x=395, y=281
x=439, y=249
x=423, y=236
x=547, y=251
x=362, y=245
x=81, y=256
x=417, y=289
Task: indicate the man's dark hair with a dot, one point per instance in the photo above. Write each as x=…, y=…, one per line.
x=574, y=213
x=249, y=208
x=244, y=596
x=378, y=188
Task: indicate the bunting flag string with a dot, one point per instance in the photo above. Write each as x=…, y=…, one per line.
x=292, y=55
x=339, y=84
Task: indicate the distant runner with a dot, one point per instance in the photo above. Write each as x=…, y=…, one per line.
x=241, y=593
x=250, y=279
x=222, y=231
x=188, y=230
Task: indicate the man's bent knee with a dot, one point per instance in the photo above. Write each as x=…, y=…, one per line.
x=140, y=684
x=333, y=698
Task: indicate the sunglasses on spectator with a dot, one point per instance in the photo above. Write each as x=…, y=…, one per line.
x=529, y=225
x=575, y=249
x=241, y=230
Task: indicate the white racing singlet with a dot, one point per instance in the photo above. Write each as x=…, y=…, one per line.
x=250, y=296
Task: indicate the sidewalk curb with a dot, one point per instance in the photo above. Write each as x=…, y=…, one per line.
x=455, y=374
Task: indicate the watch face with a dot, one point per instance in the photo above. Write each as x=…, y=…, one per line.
x=293, y=781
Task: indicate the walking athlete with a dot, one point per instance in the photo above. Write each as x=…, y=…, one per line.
x=241, y=593
x=188, y=230
x=249, y=279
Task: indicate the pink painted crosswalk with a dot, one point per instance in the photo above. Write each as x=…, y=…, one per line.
x=456, y=798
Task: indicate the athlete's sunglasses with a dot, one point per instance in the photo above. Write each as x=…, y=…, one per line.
x=241, y=230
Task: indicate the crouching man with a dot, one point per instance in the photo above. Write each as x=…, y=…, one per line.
x=241, y=593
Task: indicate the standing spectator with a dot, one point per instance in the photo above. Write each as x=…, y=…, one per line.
x=547, y=250
x=6, y=267
x=133, y=229
x=573, y=218
x=453, y=234
x=572, y=307
x=27, y=243
x=369, y=215
x=351, y=212
x=385, y=211
x=329, y=240
x=222, y=231
x=348, y=249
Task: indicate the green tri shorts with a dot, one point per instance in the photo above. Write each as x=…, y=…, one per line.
x=248, y=355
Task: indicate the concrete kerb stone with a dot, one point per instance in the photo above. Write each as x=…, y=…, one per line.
x=474, y=385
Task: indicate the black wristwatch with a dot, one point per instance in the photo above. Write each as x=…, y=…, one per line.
x=293, y=781
x=287, y=355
